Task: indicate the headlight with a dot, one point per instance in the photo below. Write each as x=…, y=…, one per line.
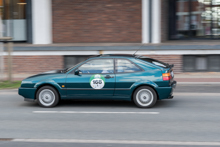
x=27, y=84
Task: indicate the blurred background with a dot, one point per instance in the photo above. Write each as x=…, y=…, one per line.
x=42, y=35
x=56, y=34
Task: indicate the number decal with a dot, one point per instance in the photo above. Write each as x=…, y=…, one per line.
x=97, y=81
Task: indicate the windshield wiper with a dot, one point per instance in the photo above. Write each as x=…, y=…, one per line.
x=64, y=70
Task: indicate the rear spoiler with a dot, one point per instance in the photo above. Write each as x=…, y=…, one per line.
x=170, y=65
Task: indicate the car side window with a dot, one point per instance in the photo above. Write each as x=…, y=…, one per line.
x=98, y=66
x=125, y=66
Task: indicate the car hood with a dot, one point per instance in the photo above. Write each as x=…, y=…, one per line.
x=47, y=73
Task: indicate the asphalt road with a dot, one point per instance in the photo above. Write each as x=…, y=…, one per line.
x=192, y=118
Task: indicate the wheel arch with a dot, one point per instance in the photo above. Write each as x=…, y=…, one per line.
x=141, y=86
x=47, y=84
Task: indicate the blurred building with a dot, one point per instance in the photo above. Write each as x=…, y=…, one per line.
x=51, y=33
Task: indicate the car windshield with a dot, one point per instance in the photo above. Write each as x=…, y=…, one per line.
x=155, y=62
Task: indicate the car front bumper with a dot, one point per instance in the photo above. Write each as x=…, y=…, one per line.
x=27, y=93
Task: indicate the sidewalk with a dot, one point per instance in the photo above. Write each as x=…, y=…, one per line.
x=181, y=78
x=198, y=78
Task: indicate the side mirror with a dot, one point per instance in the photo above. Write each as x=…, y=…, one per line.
x=78, y=72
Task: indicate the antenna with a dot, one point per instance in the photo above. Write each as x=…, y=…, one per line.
x=137, y=50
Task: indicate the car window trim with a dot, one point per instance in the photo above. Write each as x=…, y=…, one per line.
x=98, y=73
x=142, y=70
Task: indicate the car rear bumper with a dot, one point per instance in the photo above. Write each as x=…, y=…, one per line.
x=27, y=93
x=166, y=92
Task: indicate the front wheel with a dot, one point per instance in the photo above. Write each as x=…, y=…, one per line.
x=145, y=97
x=47, y=96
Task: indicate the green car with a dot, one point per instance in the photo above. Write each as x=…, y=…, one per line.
x=115, y=77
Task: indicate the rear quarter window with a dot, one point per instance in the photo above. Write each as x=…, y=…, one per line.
x=126, y=66
x=155, y=62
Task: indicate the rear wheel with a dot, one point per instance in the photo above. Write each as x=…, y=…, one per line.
x=145, y=97
x=47, y=96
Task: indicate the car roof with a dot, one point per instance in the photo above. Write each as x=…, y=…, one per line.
x=115, y=55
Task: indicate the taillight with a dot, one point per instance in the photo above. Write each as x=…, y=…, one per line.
x=166, y=76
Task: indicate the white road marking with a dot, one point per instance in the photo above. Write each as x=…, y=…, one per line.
x=94, y=112
x=119, y=142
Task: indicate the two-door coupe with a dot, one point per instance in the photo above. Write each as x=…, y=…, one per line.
x=118, y=77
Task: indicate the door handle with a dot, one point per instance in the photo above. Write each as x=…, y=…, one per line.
x=108, y=76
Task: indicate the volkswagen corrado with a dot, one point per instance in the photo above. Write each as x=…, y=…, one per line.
x=134, y=78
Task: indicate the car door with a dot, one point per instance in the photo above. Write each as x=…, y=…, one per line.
x=127, y=73
x=96, y=79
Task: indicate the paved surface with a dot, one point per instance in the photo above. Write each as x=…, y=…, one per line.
x=191, y=118
x=203, y=80
x=16, y=144
x=198, y=77
x=197, y=88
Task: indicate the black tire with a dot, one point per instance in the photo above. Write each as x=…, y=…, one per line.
x=145, y=97
x=49, y=97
